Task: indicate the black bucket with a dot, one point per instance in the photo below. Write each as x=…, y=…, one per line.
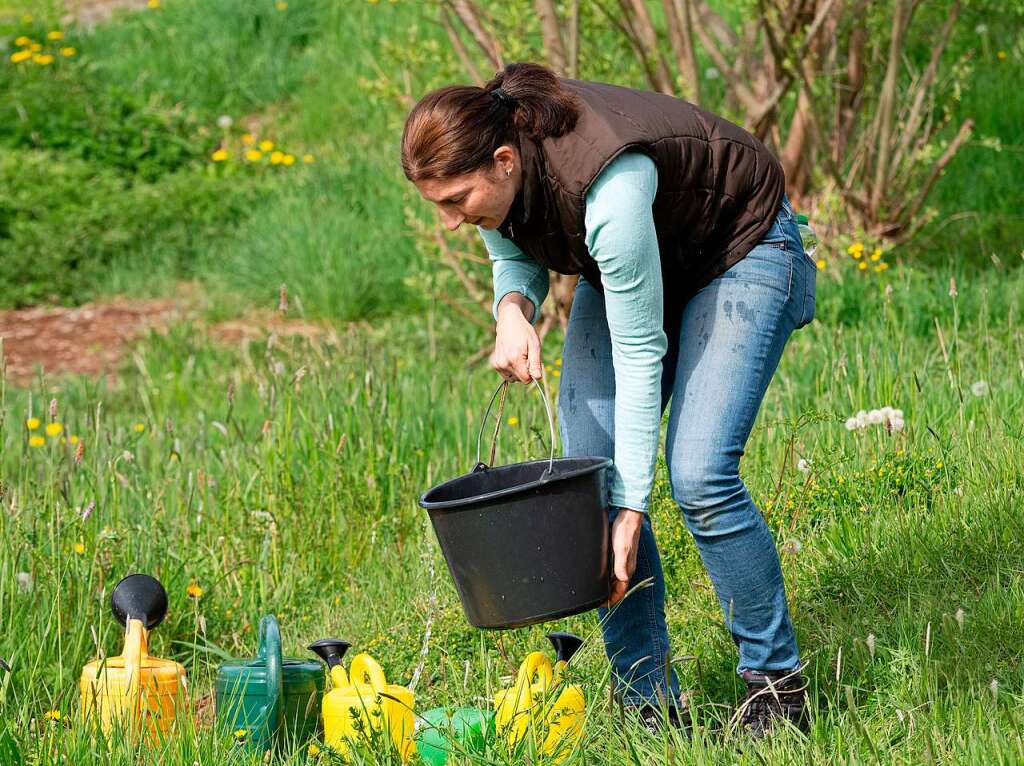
x=527, y=542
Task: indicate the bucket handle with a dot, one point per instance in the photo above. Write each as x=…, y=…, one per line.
x=503, y=390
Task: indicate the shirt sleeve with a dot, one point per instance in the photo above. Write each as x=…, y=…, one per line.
x=621, y=237
x=514, y=271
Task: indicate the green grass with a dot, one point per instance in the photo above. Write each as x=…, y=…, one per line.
x=249, y=495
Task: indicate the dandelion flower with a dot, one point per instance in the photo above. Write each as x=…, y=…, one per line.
x=153, y=3
x=73, y=439
x=266, y=146
x=54, y=429
x=52, y=715
x=313, y=751
x=281, y=5
x=20, y=56
x=558, y=362
x=288, y=159
x=820, y=263
x=513, y=421
x=877, y=254
x=240, y=733
x=55, y=35
x=254, y=155
x=43, y=59
x=35, y=47
x=36, y=441
x=557, y=373
x=68, y=52
x=224, y=121
x=307, y=158
x=276, y=157
x=139, y=427
x=32, y=424
x=862, y=265
x=979, y=388
x=193, y=590
x=22, y=41
x=856, y=249
x=248, y=139
x=881, y=267
x=1001, y=55
x=79, y=547
x=220, y=155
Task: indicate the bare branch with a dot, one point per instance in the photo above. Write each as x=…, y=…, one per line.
x=459, y=48
x=901, y=22
x=574, y=39
x=680, y=33
x=707, y=19
x=551, y=35
x=649, y=37
x=469, y=15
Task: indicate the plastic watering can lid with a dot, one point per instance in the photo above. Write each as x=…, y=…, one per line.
x=139, y=597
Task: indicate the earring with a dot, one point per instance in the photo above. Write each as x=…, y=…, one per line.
x=508, y=172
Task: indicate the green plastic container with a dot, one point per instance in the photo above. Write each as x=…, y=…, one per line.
x=270, y=701
x=470, y=728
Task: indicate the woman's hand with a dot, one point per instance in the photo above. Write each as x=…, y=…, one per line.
x=516, y=352
x=625, y=542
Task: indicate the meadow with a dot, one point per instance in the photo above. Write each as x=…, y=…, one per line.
x=281, y=475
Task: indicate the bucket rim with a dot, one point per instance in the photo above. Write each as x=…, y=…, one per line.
x=599, y=463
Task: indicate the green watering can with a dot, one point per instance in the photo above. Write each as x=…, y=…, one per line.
x=269, y=701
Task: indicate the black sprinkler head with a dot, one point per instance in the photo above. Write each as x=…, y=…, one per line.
x=565, y=644
x=139, y=597
x=330, y=650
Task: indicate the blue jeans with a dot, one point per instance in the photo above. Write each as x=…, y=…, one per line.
x=723, y=350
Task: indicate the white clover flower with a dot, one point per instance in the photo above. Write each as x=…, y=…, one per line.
x=711, y=73
x=803, y=466
x=224, y=122
x=979, y=388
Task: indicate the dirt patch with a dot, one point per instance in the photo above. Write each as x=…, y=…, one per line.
x=86, y=340
x=89, y=13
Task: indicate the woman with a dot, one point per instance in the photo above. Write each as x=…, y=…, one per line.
x=692, y=277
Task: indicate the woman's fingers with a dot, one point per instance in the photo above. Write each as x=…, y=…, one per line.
x=533, y=352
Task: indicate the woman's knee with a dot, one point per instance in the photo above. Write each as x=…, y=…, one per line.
x=710, y=499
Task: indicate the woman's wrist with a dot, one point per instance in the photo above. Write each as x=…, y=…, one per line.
x=517, y=302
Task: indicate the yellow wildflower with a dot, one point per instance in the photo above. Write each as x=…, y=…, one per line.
x=248, y=139
x=288, y=159
x=1001, y=55
x=73, y=439
x=52, y=715
x=32, y=424
x=139, y=427
x=22, y=41
x=821, y=264
x=281, y=5
x=877, y=254
x=254, y=155
x=313, y=750
x=20, y=56
x=79, y=547
x=513, y=421
x=54, y=429
x=68, y=52
x=193, y=590
x=220, y=155
x=557, y=373
x=35, y=47
x=55, y=35
x=881, y=267
x=43, y=59
x=558, y=362
x=153, y=3
x=240, y=733
x=856, y=249
x=307, y=158
x=26, y=18
x=862, y=265
x=36, y=441
x=276, y=158
x=266, y=146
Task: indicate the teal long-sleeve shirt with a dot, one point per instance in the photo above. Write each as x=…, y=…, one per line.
x=621, y=237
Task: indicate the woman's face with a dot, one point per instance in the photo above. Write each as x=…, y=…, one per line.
x=481, y=198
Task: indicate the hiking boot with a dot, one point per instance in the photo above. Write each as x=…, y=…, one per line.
x=773, y=696
x=653, y=718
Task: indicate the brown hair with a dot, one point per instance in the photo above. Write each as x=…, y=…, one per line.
x=456, y=129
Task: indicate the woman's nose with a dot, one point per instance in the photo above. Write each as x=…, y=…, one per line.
x=452, y=221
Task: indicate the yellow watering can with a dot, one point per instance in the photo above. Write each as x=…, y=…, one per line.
x=134, y=690
x=531, y=701
x=362, y=704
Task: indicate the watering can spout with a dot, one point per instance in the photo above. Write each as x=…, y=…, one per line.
x=565, y=645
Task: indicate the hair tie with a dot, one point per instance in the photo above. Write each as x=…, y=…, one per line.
x=502, y=97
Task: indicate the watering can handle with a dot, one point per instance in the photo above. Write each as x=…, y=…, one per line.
x=503, y=389
x=269, y=651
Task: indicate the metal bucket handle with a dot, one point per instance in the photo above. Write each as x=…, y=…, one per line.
x=503, y=390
